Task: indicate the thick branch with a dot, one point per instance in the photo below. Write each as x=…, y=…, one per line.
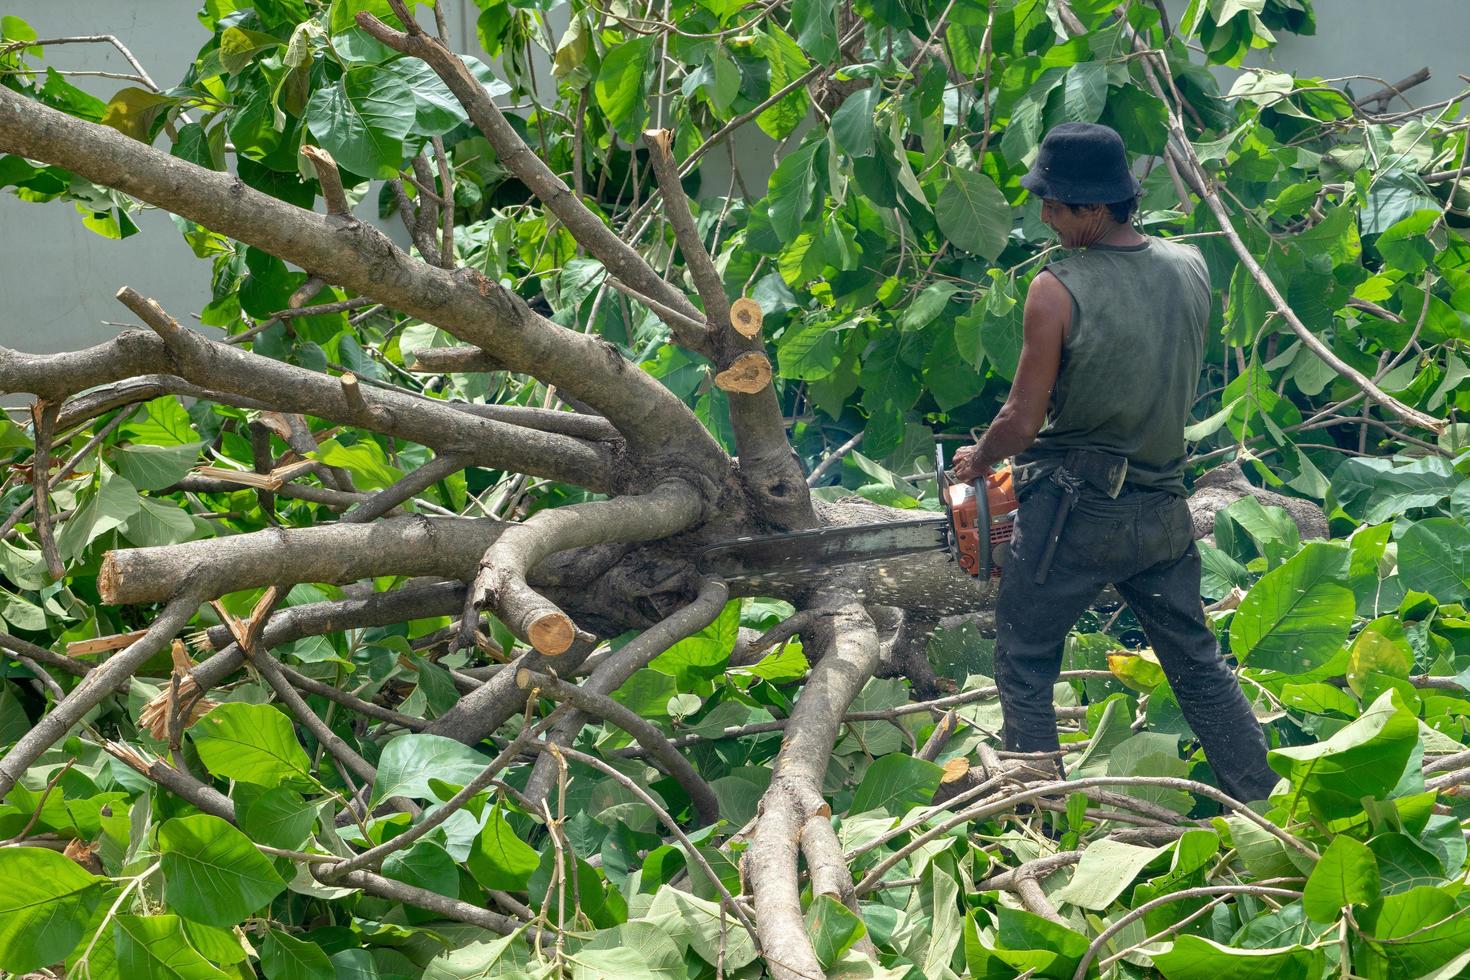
x=452, y=360
x=501, y=581
x=591, y=427
x=422, y=420
x=335, y=553
x=361, y=258
x=769, y=468
x=849, y=644
x=676, y=208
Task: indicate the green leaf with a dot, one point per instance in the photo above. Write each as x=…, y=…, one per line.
x=1363, y=759
x=973, y=214
x=238, y=47
x=159, y=522
x=927, y=305
x=1411, y=934
x=950, y=379
x=621, y=86
x=1193, y=957
x=253, y=743
x=436, y=110
x=832, y=928
x=1434, y=557
x=280, y=817
x=155, y=467
x=503, y=956
x=363, y=119
x=111, y=506
x=500, y=859
x=1297, y=616
x=792, y=191
x=663, y=957
x=695, y=660
x=1405, y=863
x=810, y=351
x=164, y=423
x=853, y=122
x=133, y=111
x=1379, y=648
x=154, y=947
x=897, y=783
x=815, y=22
x=408, y=763
x=284, y=957
x=1271, y=528
x=1379, y=491
x=1140, y=118
x=786, y=63
x=45, y=907
x=1106, y=870
x=1084, y=91
x=212, y=873
x=424, y=865
x=704, y=926
x=1346, y=874
x=647, y=693
x=365, y=459
x=1029, y=942
x=725, y=80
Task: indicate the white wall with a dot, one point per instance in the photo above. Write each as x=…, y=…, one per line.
x=57, y=278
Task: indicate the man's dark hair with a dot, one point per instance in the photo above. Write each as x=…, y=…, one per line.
x=1121, y=211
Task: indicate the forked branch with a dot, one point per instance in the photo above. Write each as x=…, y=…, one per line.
x=501, y=584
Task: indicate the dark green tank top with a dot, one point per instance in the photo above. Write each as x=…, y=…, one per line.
x=1131, y=362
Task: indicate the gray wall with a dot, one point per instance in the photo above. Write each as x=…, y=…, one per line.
x=57, y=278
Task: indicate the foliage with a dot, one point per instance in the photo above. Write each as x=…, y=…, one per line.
x=889, y=251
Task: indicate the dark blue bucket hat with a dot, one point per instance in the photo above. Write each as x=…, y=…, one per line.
x=1082, y=163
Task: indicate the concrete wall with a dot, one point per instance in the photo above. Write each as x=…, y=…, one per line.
x=57, y=278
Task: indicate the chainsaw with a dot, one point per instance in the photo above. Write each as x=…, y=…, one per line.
x=978, y=520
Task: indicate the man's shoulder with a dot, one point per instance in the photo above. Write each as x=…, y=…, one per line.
x=1184, y=250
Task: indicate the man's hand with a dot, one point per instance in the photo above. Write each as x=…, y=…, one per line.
x=967, y=464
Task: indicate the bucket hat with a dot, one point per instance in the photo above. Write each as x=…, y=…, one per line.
x=1082, y=163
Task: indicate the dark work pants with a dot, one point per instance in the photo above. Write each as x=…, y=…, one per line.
x=1142, y=544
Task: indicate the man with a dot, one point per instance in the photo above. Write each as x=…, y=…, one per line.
x=1113, y=341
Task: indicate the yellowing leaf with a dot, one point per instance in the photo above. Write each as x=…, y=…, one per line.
x=133, y=110
x=1140, y=670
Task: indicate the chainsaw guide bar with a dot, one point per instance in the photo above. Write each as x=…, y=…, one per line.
x=821, y=548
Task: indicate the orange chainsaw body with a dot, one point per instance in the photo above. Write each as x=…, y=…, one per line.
x=966, y=518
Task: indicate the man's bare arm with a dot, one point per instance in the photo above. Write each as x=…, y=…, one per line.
x=1045, y=322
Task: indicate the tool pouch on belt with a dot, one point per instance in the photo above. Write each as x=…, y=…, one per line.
x=1080, y=468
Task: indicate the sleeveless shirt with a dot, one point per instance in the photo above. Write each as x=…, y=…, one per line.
x=1131, y=362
